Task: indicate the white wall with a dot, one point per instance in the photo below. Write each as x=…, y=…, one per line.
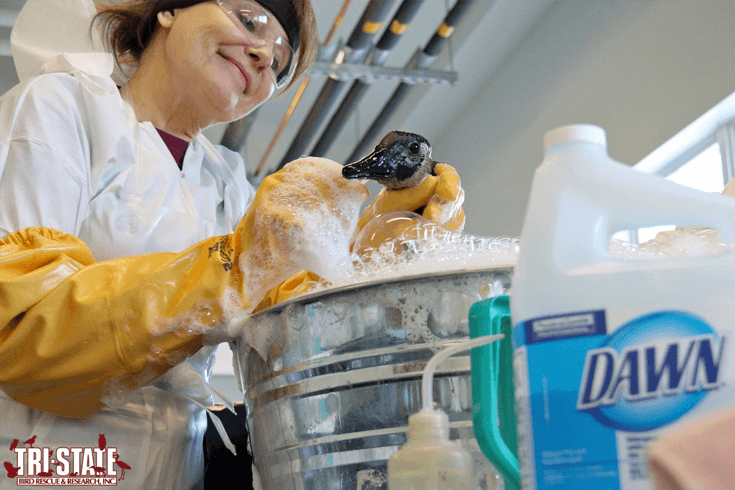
x=641, y=69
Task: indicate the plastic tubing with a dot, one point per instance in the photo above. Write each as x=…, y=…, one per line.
x=426, y=391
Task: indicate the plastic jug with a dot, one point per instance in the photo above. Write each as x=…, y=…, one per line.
x=610, y=353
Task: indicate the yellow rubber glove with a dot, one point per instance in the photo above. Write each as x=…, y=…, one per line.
x=296, y=285
x=73, y=331
x=440, y=195
x=306, y=220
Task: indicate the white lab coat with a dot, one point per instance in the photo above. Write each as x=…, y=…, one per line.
x=73, y=157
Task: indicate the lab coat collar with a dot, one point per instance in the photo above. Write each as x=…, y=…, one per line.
x=192, y=165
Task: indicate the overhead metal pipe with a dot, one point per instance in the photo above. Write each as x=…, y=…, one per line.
x=378, y=57
x=237, y=131
x=5, y=49
x=7, y=17
x=300, y=92
x=358, y=43
x=421, y=60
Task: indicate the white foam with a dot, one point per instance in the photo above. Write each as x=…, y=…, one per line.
x=430, y=250
x=305, y=221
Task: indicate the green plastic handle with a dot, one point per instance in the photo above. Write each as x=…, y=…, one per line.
x=493, y=394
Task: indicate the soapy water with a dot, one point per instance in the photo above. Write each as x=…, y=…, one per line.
x=397, y=245
x=415, y=247
x=428, y=310
x=402, y=243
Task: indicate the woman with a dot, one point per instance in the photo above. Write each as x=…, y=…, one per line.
x=85, y=152
x=121, y=164
x=193, y=67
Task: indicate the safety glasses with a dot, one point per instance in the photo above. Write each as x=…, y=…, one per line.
x=259, y=27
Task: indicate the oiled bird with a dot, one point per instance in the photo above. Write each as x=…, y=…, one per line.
x=400, y=160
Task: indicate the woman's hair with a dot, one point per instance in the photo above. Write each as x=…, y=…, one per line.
x=128, y=27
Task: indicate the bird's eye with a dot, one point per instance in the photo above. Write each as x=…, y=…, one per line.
x=414, y=148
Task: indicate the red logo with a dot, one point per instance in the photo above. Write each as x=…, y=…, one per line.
x=65, y=466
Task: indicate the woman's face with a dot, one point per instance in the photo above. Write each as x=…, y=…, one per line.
x=219, y=70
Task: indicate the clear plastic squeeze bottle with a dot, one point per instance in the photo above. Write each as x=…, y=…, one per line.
x=429, y=460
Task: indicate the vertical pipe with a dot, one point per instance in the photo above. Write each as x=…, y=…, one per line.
x=237, y=131
x=387, y=42
x=429, y=53
x=300, y=92
x=370, y=23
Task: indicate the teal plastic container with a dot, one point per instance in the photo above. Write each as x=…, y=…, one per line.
x=493, y=393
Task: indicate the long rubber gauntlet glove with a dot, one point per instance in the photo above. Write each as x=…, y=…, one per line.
x=441, y=197
x=74, y=333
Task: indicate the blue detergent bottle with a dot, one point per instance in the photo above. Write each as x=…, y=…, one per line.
x=611, y=353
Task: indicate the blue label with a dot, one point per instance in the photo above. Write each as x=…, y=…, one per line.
x=651, y=371
x=559, y=327
x=585, y=385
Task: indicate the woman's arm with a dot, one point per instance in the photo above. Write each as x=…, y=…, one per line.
x=73, y=332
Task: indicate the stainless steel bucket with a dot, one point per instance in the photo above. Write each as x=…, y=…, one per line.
x=330, y=401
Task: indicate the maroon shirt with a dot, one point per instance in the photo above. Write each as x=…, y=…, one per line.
x=175, y=145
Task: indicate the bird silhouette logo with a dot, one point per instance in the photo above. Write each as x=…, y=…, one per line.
x=122, y=465
x=114, y=469
x=12, y=470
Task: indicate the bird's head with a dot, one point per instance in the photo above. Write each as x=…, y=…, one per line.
x=400, y=160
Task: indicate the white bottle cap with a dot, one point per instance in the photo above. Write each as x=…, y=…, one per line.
x=432, y=424
x=575, y=132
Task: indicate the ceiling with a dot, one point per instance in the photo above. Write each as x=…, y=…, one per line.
x=487, y=35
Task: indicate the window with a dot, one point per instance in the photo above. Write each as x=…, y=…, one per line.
x=701, y=156
x=703, y=172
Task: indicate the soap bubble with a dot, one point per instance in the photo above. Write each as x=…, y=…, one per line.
x=402, y=243
x=388, y=228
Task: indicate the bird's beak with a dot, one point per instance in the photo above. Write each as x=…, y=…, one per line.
x=374, y=165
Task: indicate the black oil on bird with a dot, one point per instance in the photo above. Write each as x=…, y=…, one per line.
x=400, y=160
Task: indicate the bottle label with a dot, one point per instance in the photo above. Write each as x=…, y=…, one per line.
x=592, y=394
